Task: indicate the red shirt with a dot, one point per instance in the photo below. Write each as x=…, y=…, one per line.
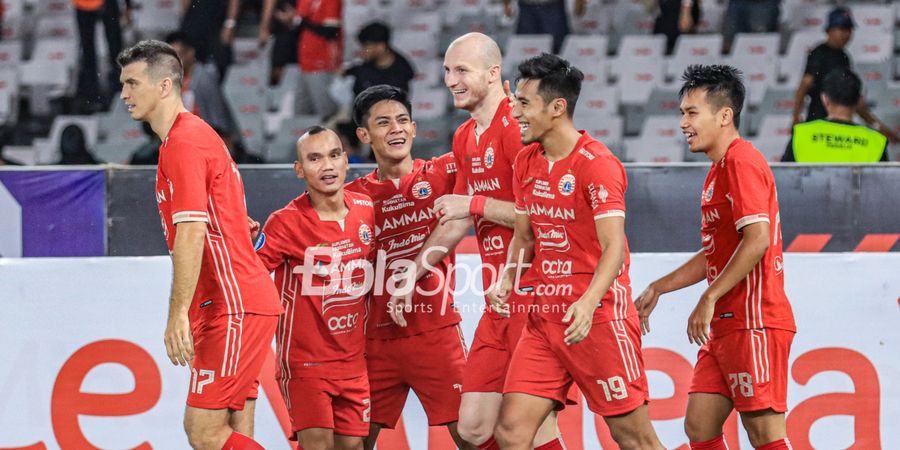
x=403, y=222
x=321, y=334
x=563, y=200
x=314, y=52
x=740, y=190
x=196, y=181
x=485, y=168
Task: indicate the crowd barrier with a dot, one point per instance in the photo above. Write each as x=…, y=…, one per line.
x=84, y=365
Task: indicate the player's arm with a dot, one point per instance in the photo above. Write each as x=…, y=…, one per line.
x=518, y=260
x=688, y=274
x=862, y=108
x=611, y=236
x=187, y=256
x=455, y=206
x=750, y=250
x=440, y=243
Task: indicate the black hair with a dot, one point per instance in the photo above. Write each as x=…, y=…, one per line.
x=162, y=60
x=374, y=33
x=315, y=129
x=842, y=87
x=557, y=78
x=366, y=99
x=723, y=84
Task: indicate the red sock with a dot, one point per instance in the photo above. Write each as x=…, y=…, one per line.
x=489, y=444
x=556, y=444
x=781, y=444
x=716, y=443
x=238, y=441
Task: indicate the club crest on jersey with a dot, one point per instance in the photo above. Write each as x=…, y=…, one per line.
x=707, y=196
x=365, y=234
x=260, y=242
x=422, y=190
x=489, y=157
x=567, y=184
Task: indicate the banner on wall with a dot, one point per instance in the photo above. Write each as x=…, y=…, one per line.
x=52, y=213
x=84, y=365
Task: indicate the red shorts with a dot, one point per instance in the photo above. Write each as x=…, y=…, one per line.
x=748, y=366
x=228, y=355
x=339, y=405
x=431, y=363
x=492, y=349
x=607, y=365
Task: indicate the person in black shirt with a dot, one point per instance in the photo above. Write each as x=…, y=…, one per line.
x=381, y=64
x=823, y=59
x=676, y=17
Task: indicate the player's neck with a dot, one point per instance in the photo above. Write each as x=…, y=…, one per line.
x=329, y=206
x=843, y=113
x=388, y=169
x=560, y=141
x=484, y=113
x=722, y=144
x=163, y=118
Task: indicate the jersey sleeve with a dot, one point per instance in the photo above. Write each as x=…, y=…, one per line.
x=519, y=168
x=331, y=12
x=270, y=244
x=444, y=170
x=188, y=171
x=603, y=184
x=459, y=184
x=511, y=139
x=749, y=186
x=813, y=66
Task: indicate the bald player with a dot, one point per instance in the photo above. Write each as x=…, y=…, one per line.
x=485, y=147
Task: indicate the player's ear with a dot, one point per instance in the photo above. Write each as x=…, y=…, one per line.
x=413, y=123
x=298, y=169
x=363, y=135
x=726, y=116
x=560, y=107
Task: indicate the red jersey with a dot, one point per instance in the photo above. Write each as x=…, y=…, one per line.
x=563, y=199
x=315, y=53
x=320, y=267
x=403, y=222
x=197, y=181
x=485, y=168
x=740, y=190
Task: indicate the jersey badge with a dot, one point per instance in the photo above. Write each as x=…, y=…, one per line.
x=422, y=190
x=707, y=196
x=489, y=157
x=567, y=184
x=260, y=242
x=365, y=234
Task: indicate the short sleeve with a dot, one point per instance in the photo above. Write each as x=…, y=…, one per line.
x=331, y=12
x=188, y=171
x=813, y=67
x=749, y=185
x=270, y=244
x=603, y=184
x=445, y=174
x=519, y=169
x=459, y=184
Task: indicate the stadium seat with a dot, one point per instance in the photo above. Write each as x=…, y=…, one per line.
x=464, y=10
x=775, y=126
x=420, y=22
x=871, y=17
x=775, y=101
x=416, y=45
x=809, y=18
x=9, y=95
x=283, y=147
x=694, y=49
x=711, y=17
x=596, y=21
x=155, y=17
x=792, y=65
x=875, y=77
x=638, y=78
x=54, y=7
x=771, y=147
x=10, y=54
x=432, y=137
x=605, y=128
x=654, y=150
x=871, y=46
x=663, y=127
x=597, y=99
x=635, y=47
x=429, y=72
x=583, y=48
x=467, y=21
x=249, y=78
x=13, y=17
x=756, y=45
x=247, y=51
x=663, y=100
x=56, y=27
x=430, y=104
x=523, y=46
x=358, y=14
x=403, y=7
x=760, y=73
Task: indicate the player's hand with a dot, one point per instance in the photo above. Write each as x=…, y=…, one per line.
x=508, y=9
x=451, y=207
x=227, y=35
x=254, y=229
x=178, y=339
x=893, y=138
x=698, y=322
x=580, y=8
x=263, y=37
x=401, y=301
x=509, y=95
x=498, y=294
x=645, y=304
x=685, y=22
x=580, y=315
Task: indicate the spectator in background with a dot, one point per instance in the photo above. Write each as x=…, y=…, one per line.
x=201, y=88
x=148, y=153
x=836, y=139
x=381, y=63
x=286, y=33
x=676, y=17
x=544, y=17
x=73, y=147
x=208, y=26
x=347, y=132
x=319, y=55
x=87, y=13
x=749, y=16
x=826, y=57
